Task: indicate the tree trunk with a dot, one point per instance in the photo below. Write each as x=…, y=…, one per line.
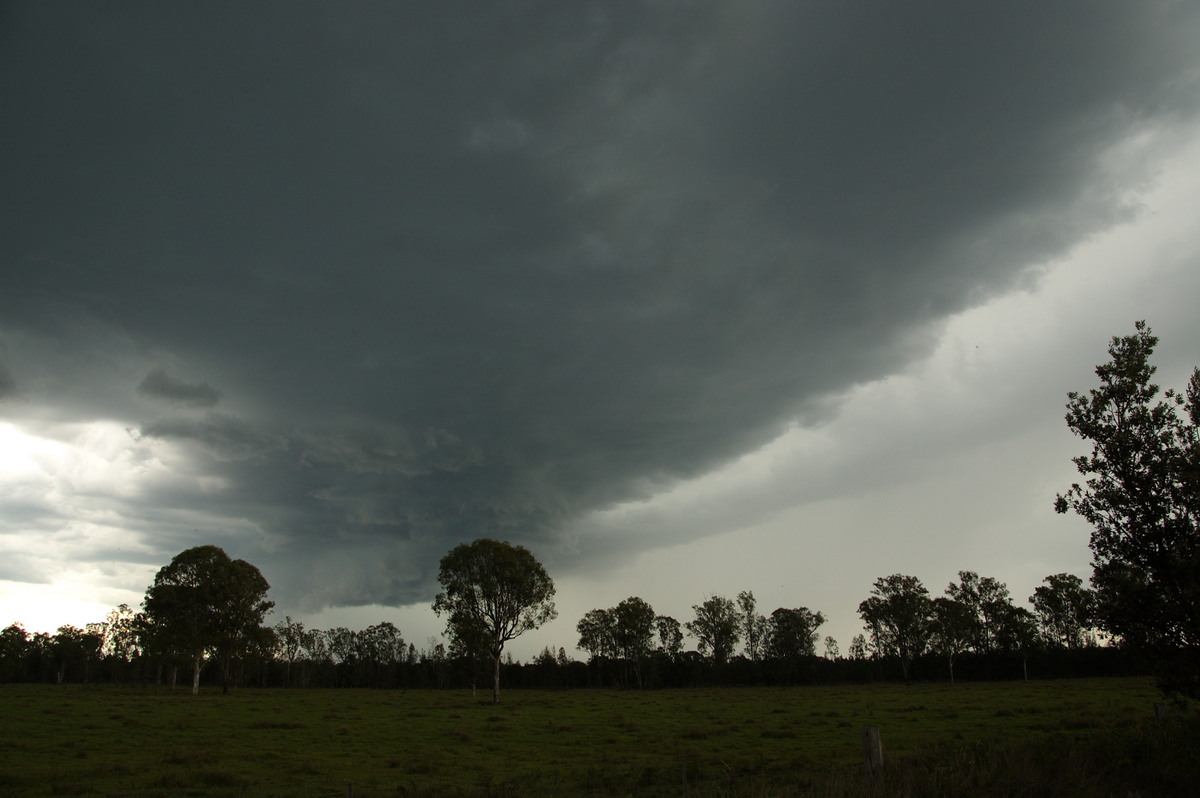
x=496, y=678
x=196, y=675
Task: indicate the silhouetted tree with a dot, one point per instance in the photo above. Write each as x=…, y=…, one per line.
x=317, y=652
x=1142, y=497
x=897, y=617
x=1064, y=610
x=14, y=649
x=716, y=628
x=493, y=590
x=670, y=636
x=1017, y=633
x=381, y=648
x=205, y=602
x=753, y=625
x=624, y=632
x=290, y=637
x=120, y=644
x=79, y=647
x=987, y=601
x=598, y=633
x=343, y=651
x=952, y=629
x=634, y=633
x=792, y=633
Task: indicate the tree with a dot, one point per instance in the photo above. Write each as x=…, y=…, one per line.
x=831, y=648
x=792, y=633
x=1141, y=494
x=316, y=650
x=670, y=635
x=68, y=646
x=634, y=634
x=494, y=590
x=156, y=644
x=1064, y=611
x=380, y=648
x=203, y=602
x=14, y=647
x=952, y=628
x=470, y=643
x=716, y=627
x=624, y=632
x=120, y=643
x=598, y=635
x=1017, y=633
x=753, y=625
x=987, y=600
x=897, y=617
x=343, y=647
x=73, y=645
x=290, y=636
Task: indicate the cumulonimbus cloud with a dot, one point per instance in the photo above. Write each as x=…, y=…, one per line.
x=463, y=273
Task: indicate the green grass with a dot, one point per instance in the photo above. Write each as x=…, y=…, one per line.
x=93, y=740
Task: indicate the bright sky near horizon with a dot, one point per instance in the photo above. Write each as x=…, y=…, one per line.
x=689, y=300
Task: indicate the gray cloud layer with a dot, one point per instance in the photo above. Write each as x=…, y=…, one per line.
x=8, y=386
x=162, y=386
x=460, y=271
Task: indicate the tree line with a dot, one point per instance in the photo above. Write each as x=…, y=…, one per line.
x=630, y=645
x=903, y=624
x=1141, y=493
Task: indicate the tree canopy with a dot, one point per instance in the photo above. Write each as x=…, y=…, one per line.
x=987, y=602
x=792, y=633
x=897, y=617
x=203, y=602
x=493, y=591
x=1141, y=494
x=1064, y=609
x=716, y=627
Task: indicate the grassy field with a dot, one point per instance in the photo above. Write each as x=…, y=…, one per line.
x=98, y=740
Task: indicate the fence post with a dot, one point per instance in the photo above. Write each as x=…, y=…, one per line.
x=872, y=747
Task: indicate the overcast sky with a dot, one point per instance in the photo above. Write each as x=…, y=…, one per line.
x=689, y=298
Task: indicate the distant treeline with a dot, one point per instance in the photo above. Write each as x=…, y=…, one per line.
x=378, y=657
x=973, y=631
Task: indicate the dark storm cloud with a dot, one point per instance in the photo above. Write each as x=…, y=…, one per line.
x=477, y=269
x=225, y=437
x=162, y=386
x=8, y=385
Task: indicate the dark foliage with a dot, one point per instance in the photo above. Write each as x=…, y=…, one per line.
x=1141, y=495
